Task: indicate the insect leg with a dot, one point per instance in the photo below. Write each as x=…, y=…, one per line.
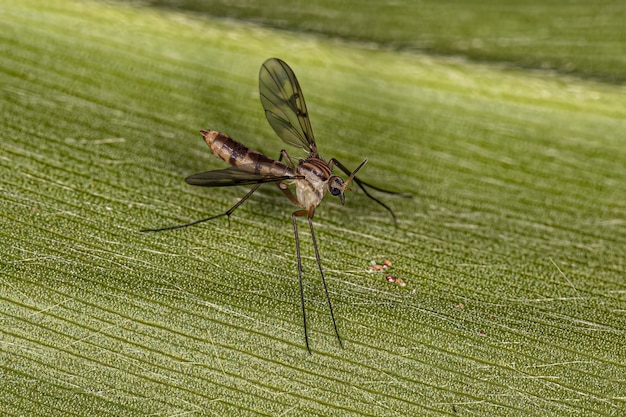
x=284, y=187
x=363, y=184
x=284, y=154
x=295, y=232
x=227, y=214
x=319, y=264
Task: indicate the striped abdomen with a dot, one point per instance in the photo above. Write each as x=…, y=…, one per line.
x=236, y=154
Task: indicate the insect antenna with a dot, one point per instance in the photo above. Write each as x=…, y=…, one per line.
x=351, y=177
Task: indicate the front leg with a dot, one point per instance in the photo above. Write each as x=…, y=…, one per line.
x=285, y=189
x=363, y=184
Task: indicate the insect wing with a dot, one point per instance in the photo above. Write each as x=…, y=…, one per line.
x=232, y=176
x=284, y=105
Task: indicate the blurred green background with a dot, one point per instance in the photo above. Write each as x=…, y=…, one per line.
x=567, y=36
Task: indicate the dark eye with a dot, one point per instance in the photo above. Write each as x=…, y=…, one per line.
x=335, y=186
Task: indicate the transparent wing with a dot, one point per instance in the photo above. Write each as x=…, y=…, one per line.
x=284, y=105
x=232, y=176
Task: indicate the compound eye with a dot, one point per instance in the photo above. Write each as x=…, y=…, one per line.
x=335, y=186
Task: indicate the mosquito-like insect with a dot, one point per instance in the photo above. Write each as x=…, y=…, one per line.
x=286, y=112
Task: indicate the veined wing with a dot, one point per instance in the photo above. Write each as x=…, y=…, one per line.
x=233, y=176
x=284, y=105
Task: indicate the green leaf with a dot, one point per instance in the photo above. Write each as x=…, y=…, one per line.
x=571, y=37
x=512, y=248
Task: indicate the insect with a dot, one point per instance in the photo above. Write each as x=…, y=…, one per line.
x=312, y=176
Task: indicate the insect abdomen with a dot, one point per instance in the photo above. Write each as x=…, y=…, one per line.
x=236, y=154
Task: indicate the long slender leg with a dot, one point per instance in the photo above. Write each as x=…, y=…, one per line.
x=319, y=264
x=227, y=214
x=363, y=184
x=295, y=232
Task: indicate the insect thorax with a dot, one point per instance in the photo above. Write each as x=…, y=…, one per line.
x=311, y=190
